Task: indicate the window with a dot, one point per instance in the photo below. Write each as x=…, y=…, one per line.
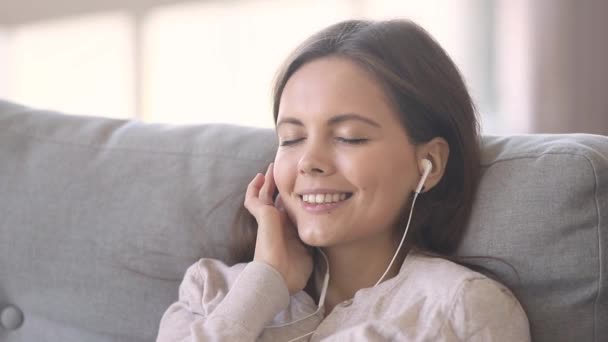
x=215, y=61
x=82, y=65
x=210, y=61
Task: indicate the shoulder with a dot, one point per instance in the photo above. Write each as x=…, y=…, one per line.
x=476, y=307
x=440, y=277
x=486, y=310
x=206, y=283
x=213, y=271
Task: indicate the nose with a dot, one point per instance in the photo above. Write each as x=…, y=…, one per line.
x=316, y=160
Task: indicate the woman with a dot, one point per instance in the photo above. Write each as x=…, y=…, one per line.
x=371, y=117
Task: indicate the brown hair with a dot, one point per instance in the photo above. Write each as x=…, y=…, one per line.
x=429, y=94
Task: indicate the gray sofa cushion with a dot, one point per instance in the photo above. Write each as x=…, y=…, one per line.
x=100, y=218
x=542, y=206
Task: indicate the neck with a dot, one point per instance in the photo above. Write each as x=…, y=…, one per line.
x=355, y=266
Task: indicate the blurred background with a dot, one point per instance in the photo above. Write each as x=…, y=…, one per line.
x=532, y=66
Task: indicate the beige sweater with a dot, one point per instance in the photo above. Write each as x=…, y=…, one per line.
x=431, y=299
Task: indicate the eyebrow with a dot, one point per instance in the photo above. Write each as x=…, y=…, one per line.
x=333, y=120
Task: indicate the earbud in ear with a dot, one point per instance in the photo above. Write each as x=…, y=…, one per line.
x=427, y=166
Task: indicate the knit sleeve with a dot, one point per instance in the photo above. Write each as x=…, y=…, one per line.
x=218, y=304
x=485, y=310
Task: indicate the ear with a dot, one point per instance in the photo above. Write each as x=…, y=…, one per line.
x=437, y=151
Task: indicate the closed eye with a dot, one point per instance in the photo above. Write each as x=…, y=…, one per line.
x=352, y=141
x=290, y=142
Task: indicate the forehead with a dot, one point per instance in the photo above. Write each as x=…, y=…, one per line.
x=331, y=86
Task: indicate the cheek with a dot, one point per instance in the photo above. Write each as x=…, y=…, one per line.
x=384, y=179
x=284, y=173
x=375, y=170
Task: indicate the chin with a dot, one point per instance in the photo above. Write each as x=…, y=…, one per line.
x=311, y=236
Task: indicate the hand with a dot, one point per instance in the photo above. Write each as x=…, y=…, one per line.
x=277, y=243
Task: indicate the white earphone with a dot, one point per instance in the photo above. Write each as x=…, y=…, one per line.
x=427, y=166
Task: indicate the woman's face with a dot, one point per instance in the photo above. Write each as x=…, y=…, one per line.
x=345, y=166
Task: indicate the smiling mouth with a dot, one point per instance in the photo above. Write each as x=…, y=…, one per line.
x=325, y=198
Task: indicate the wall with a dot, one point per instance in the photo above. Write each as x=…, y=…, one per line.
x=570, y=70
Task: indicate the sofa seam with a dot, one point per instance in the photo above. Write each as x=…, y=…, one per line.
x=532, y=155
x=600, y=251
x=102, y=147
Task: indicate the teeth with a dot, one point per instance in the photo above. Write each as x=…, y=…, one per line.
x=323, y=198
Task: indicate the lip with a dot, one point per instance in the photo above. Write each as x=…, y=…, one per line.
x=321, y=191
x=325, y=207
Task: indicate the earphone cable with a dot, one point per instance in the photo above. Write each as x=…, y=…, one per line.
x=402, y=240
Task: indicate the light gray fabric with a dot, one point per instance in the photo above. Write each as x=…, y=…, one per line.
x=100, y=218
x=542, y=206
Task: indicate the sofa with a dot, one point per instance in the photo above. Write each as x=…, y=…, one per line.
x=100, y=218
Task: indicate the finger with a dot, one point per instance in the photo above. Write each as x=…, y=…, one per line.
x=268, y=188
x=253, y=192
x=273, y=184
x=279, y=204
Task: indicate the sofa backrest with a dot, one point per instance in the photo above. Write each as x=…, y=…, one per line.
x=99, y=219
x=542, y=207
